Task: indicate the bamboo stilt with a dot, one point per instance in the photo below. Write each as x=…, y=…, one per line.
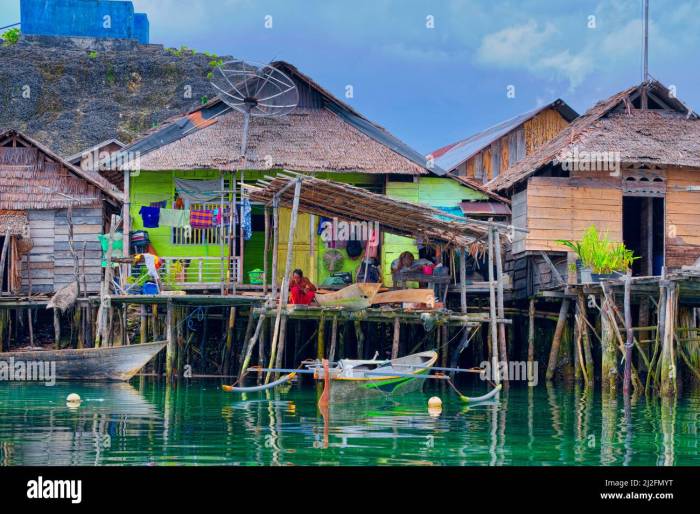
x=143, y=325
x=629, y=343
x=360, y=336
x=502, y=341
x=225, y=365
x=585, y=340
x=251, y=344
x=170, y=337
x=531, y=331
x=608, y=366
x=321, y=341
x=492, y=310
x=334, y=339
x=668, y=357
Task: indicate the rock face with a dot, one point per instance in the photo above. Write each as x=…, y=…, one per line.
x=72, y=93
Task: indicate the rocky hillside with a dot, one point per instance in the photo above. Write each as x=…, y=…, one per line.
x=71, y=94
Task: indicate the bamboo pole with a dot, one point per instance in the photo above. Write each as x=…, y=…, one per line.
x=282, y=341
x=30, y=319
x=102, y=314
x=180, y=335
x=492, y=311
x=56, y=329
x=397, y=338
x=556, y=340
x=251, y=344
x=284, y=292
x=143, y=325
x=275, y=245
x=608, y=368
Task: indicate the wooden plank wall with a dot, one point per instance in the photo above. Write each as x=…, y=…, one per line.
x=51, y=263
x=682, y=218
x=559, y=208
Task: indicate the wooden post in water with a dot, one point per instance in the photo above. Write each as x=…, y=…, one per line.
x=284, y=292
x=397, y=338
x=281, y=343
x=251, y=344
x=266, y=251
x=321, y=341
x=531, y=331
x=275, y=244
x=502, y=344
x=360, y=336
x=608, y=367
x=170, y=337
x=334, y=339
x=229, y=340
x=463, y=278
x=143, y=326
x=556, y=341
x=668, y=357
x=629, y=343
x=495, y=369
x=585, y=339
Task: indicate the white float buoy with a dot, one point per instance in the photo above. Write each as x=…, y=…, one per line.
x=435, y=403
x=73, y=398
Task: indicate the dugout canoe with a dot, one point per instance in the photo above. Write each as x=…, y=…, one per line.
x=112, y=364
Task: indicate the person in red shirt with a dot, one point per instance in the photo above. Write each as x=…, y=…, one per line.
x=301, y=290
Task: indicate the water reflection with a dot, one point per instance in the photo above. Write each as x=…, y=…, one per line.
x=194, y=422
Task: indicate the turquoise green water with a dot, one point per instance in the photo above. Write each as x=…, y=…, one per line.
x=145, y=423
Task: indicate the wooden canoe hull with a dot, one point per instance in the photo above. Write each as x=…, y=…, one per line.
x=344, y=390
x=115, y=363
x=354, y=297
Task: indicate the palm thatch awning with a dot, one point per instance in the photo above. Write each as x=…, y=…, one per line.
x=350, y=203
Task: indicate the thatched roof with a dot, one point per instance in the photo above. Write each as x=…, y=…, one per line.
x=313, y=140
x=666, y=134
x=350, y=203
x=323, y=134
x=33, y=177
x=15, y=222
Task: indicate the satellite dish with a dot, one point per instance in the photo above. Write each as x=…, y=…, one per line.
x=254, y=90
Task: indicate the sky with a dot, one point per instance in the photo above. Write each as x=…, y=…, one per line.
x=435, y=71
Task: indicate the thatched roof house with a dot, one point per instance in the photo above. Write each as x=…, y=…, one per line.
x=37, y=188
x=630, y=166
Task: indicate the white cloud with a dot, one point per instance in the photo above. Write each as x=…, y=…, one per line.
x=517, y=45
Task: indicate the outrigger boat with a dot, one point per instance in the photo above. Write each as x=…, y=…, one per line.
x=114, y=363
x=351, y=380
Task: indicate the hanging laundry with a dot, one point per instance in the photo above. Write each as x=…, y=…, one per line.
x=197, y=191
x=201, y=219
x=247, y=220
x=174, y=218
x=162, y=204
x=179, y=203
x=371, y=250
x=150, y=216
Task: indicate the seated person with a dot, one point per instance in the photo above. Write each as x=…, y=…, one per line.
x=368, y=272
x=301, y=290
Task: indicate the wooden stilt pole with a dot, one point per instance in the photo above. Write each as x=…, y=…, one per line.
x=629, y=343
x=225, y=366
x=248, y=334
x=56, y=329
x=170, y=337
x=495, y=368
x=3, y=257
x=334, y=339
x=502, y=342
x=531, y=332
x=321, y=341
x=585, y=339
x=463, y=278
x=275, y=244
x=556, y=341
x=284, y=292
x=360, y=336
x=608, y=368
x=266, y=252
x=397, y=338
x=143, y=326
x=668, y=357
x=251, y=344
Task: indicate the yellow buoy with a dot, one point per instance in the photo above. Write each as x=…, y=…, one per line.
x=435, y=403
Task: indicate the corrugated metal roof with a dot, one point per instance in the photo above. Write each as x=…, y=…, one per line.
x=485, y=208
x=450, y=156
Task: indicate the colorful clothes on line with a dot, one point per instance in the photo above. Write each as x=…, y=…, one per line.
x=162, y=204
x=201, y=219
x=150, y=216
x=247, y=221
x=174, y=218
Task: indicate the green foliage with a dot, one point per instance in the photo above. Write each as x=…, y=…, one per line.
x=598, y=253
x=210, y=75
x=215, y=63
x=11, y=37
x=92, y=54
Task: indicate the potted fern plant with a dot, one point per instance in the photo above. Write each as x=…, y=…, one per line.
x=600, y=257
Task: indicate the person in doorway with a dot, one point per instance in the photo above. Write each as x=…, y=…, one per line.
x=301, y=290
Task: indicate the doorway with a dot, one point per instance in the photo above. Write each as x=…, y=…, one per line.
x=643, y=233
